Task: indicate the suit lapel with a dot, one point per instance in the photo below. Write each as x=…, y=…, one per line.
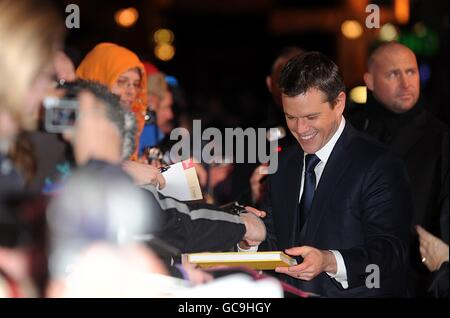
x=335, y=169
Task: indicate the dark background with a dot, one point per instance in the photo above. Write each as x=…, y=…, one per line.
x=224, y=48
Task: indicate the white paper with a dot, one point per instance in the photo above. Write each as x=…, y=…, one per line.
x=178, y=185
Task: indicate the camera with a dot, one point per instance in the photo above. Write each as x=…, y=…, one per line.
x=60, y=114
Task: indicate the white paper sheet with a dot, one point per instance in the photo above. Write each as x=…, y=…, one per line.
x=182, y=182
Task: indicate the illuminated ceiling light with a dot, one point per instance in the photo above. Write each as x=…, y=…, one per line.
x=420, y=29
x=359, y=94
x=164, y=52
x=388, y=32
x=351, y=29
x=126, y=17
x=401, y=11
x=163, y=36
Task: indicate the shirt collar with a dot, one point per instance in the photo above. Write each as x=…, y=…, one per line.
x=325, y=152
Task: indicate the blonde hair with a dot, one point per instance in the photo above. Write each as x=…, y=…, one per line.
x=29, y=35
x=157, y=85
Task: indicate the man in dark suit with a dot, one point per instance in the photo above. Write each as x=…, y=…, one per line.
x=340, y=200
x=395, y=115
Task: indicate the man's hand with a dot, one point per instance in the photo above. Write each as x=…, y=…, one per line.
x=144, y=174
x=434, y=251
x=258, y=213
x=261, y=214
x=315, y=261
x=256, y=186
x=255, y=229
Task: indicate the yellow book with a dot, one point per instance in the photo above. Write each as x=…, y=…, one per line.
x=255, y=260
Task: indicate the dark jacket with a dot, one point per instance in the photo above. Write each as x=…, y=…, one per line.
x=187, y=227
x=195, y=227
x=421, y=140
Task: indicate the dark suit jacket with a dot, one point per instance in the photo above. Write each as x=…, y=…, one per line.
x=421, y=140
x=361, y=207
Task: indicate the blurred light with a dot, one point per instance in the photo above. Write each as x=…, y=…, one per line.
x=163, y=36
x=401, y=9
x=425, y=73
x=426, y=45
x=351, y=29
x=420, y=29
x=276, y=133
x=388, y=32
x=164, y=52
x=126, y=17
x=359, y=94
x=171, y=80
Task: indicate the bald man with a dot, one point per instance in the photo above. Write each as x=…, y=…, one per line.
x=397, y=116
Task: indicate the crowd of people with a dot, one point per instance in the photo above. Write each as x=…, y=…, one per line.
x=80, y=210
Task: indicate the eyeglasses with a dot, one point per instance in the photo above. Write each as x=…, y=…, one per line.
x=125, y=83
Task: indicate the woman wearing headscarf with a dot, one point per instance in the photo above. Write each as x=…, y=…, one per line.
x=124, y=74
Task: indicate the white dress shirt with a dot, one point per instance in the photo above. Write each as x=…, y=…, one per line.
x=323, y=154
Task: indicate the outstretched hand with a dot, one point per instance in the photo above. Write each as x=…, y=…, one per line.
x=315, y=261
x=255, y=229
